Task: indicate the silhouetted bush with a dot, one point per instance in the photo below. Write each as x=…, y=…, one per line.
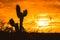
x=8, y=29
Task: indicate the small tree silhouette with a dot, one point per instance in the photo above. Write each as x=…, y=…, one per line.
x=21, y=16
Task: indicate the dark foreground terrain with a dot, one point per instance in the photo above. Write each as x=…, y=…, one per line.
x=28, y=36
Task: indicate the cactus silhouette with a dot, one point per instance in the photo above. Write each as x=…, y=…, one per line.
x=21, y=16
x=12, y=23
x=16, y=27
x=24, y=13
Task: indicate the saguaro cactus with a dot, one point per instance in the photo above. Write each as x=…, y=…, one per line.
x=21, y=16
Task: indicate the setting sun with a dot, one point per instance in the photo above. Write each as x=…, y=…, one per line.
x=42, y=23
x=42, y=20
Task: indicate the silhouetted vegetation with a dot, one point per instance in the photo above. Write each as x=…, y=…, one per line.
x=11, y=21
x=8, y=30
x=13, y=24
x=21, y=16
x=21, y=34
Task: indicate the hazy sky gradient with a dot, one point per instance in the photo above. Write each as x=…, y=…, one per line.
x=7, y=7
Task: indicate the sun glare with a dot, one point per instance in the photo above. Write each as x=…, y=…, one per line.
x=42, y=22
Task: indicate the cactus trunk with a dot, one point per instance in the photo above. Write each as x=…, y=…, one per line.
x=21, y=24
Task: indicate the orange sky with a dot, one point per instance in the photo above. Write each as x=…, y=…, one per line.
x=7, y=7
x=34, y=7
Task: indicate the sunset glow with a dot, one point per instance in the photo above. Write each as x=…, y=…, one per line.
x=42, y=22
x=42, y=14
